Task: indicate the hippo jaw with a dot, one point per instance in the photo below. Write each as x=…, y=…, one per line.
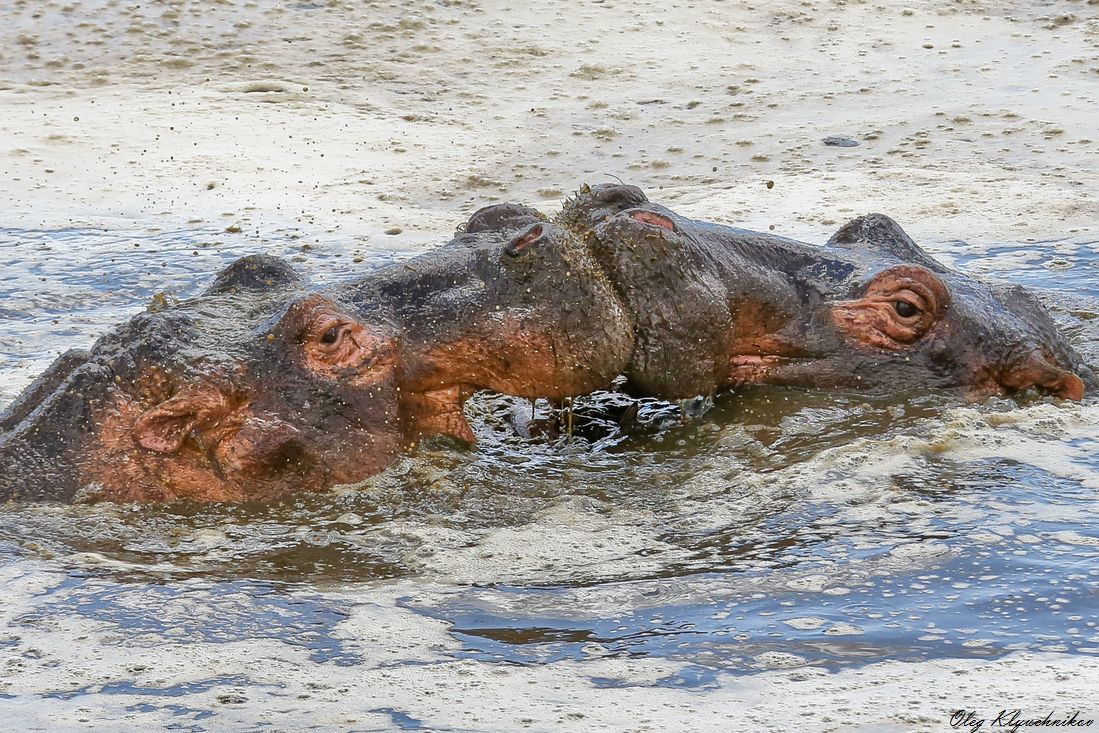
x=981, y=339
x=313, y=405
x=906, y=326
x=206, y=443
x=212, y=443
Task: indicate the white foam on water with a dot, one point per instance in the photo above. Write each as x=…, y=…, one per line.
x=407, y=669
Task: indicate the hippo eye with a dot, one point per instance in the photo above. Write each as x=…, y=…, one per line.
x=899, y=306
x=905, y=309
x=333, y=335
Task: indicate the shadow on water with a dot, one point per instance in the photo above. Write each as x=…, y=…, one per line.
x=772, y=528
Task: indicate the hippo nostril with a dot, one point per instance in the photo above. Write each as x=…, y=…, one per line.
x=652, y=219
x=518, y=245
x=290, y=456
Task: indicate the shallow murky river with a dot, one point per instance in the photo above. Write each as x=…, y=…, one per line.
x=772, y=529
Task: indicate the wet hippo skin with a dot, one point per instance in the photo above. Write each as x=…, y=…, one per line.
x=264, y=385
x=514, y=304
x=717, y=307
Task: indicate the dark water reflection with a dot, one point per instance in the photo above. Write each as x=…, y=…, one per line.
x=219, y=612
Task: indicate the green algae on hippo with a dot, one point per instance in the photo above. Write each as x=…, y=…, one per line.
x=717, y=307
x=263, y=386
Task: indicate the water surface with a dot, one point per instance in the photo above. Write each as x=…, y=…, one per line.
x=772, y=529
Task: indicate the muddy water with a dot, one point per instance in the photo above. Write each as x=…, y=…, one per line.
x=770, y=530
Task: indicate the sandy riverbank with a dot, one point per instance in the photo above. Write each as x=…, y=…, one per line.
x=974, y=120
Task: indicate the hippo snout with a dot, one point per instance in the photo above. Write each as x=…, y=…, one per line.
x=1034, y=370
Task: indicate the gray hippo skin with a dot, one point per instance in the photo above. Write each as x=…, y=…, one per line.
x=717, y=307
x=262, y=385
x=514, y=304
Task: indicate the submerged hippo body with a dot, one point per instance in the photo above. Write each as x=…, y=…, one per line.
x=717, y=307
x=262, y=386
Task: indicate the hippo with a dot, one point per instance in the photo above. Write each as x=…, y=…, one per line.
x=514, y=304
x=264, y=385
x=718, y=307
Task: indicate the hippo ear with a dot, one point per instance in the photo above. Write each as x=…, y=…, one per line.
x=879, y=234
x=254, y=272
x=653, y=219
x=164, y=428
x=524, y=240
x=896, y=308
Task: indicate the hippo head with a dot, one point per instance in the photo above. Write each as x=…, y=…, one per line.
x=903, y=307
x=248, y=391
x=718, y=306
x=513, y=303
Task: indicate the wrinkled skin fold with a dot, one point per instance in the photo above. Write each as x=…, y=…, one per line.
x=717, y=307
x=263, y=385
